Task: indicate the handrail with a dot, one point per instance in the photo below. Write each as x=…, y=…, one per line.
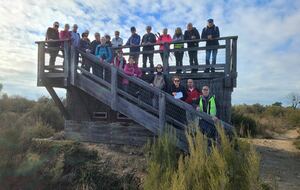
x=152, y=44
x=156, y=91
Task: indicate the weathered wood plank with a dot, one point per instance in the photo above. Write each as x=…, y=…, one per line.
x=114, y=88
x=57, y=101
x=162, y=112
x=41, y=64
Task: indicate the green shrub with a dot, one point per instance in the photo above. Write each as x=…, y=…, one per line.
x=231, y=165
x=244, y=124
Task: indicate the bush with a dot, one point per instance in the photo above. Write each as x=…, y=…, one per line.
x=244, y=124
x=231, y=165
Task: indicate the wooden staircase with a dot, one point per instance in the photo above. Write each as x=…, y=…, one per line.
x=150, y=107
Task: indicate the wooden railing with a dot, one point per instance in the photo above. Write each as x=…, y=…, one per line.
x=228, y=67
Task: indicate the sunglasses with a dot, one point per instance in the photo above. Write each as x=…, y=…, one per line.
x=159, y=67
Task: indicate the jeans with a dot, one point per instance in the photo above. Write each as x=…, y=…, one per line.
x=214, y=58
x=193, y=60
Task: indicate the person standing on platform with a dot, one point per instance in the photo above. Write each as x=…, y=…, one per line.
x=148, y=41
x=75, y=37
x=210, y=33
x=134, y=41
x=117, y=41
x=192, y=34
x=53, y=34
x=178, y=37
x=164, y=40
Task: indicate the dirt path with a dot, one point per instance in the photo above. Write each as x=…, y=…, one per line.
x=280, y=161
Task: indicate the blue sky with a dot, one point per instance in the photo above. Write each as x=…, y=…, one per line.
x=268, y=44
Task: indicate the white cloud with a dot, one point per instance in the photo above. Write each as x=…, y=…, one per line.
x=268, y=44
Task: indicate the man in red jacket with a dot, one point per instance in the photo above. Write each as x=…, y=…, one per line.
x=193, y=93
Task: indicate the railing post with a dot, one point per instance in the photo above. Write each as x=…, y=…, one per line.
x=227, y=63
x=114, y=88
x=166, y=53
x=162, y=111
x=73, y=65
x=66, y=62
x=234, y=54
x=41, y=63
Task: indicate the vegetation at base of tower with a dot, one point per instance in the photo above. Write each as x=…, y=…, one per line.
x=224, y=165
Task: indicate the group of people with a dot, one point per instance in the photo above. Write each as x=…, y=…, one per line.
x=106, y=48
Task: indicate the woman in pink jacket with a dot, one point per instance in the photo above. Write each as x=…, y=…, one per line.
x=162, y=39
x=131, y=69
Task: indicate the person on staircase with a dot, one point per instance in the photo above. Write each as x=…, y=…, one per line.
x=160, y=81
x=119, y=60
x=95, y=43
x=84, y=45
x=210, y=33
x=192, y=34
x=131, y=69
x=193, y=94
x=178, y=37
x=177, y=90
x=104, y=53
x=207, y=104
x=164, y=40
x=53, y=47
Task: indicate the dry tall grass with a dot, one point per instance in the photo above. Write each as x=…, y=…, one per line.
x=224, y=165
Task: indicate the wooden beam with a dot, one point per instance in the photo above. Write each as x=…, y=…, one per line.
x=66, y=62
x=41, y=63
x=162, y=112
x=114, y=88
x=57, y=101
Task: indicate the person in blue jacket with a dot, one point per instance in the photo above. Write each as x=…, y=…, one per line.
x=134, y=41
x=210, y=33
x=104, y=53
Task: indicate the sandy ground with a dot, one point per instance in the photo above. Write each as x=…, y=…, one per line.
x=280, y=161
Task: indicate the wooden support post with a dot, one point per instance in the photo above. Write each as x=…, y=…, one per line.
x=73, y=64
x=41, y=63
x=166, y=53
x=228, y=63
x=162, y=112
x=234, y=54
x=58, y=101
x=66, y=62
x=114, y=88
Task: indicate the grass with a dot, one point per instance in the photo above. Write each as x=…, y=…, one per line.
x=231, y=165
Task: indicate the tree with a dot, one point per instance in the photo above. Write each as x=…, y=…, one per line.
x=279, y=104
x=1, y=86
x=293, y=99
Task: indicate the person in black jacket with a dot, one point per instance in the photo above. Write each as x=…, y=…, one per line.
x=192, y=34
x=52, y=34
x=210, y=33
x=177, y=90
x=95, y=43
x=84, y=45
x=148, y=39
